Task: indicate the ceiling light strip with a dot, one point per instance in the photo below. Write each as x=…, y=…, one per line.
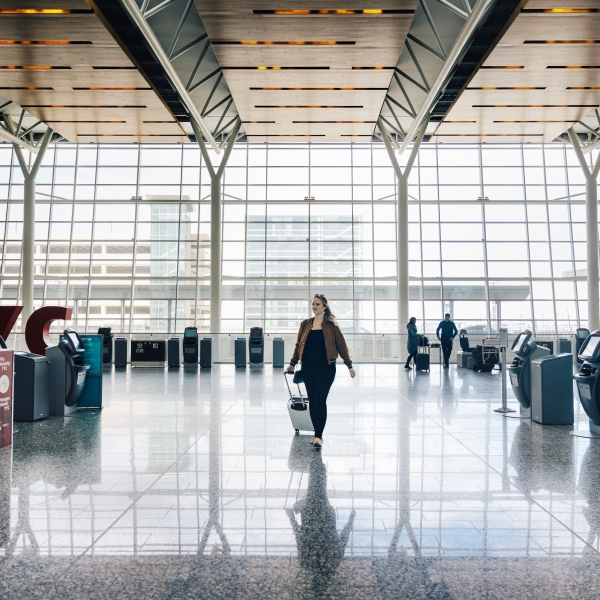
x=31, y=67
x=561, y=42
x=505, y=67
x=303, y=106
x=334, y=12
x=275, y=68
x=538, y=121
x=505, y=88
x=40, y=42
x=46, y=11
x=535, y=105
x=561, y=11
x=283, y=43
x=573, y=67
x=319, y=89
x=82, y=106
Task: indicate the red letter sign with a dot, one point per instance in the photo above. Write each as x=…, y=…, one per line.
x=8, y=318
x=37, y=331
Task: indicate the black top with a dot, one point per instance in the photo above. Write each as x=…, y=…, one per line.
x=314, y=352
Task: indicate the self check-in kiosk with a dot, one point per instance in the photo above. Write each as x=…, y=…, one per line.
x=525, y=350
x=588, y=380
x=67, y=373
x=580, y=337
x=107, y=345
x=190, y=346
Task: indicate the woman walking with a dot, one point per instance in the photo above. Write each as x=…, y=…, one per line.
x=318, y=345
x=412, y=344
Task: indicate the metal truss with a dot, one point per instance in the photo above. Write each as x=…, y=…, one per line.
x=426, y=66
x=592, y=135
x=174, y=31
x=26, y=131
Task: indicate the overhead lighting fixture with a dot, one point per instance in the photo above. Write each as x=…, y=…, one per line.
x=80, y=106
x=589, y=87
x=573, y=67
x=560, y=10
x=459, y=121
x=111, y=89
x=130, y=135
x=303, y=106
x=259, y=122
x=561, y=42
x=376, y=68
x=488, y=135
x=355, y=135
x=535, y=105
x=26, y=88
x=288, y=134
x=275, y=68
x=317, y=89
x=67, y=121
x=505, y=67
x=342, y=12
x=31, y=67
x=115, y=68
x=282, y=43
x=172, y=122
x=539, y=121
x=45, y=11
x=350, y=122
x=39, y=42
x=505, y=88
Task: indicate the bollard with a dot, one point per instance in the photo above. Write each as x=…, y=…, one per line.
x=504, y=408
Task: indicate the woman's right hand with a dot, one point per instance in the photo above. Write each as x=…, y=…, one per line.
x=290, y=369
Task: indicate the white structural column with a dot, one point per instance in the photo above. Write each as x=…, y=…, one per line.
x=28, y=245
x=591, y=204
x=402, y=220
x=215, y=223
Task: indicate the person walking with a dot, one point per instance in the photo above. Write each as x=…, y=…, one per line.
x=318, y=345
x=412, y=343
x=449, y=331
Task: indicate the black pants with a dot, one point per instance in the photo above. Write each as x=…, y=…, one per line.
x=318, y=381
x=447, y=350
x=413, y=356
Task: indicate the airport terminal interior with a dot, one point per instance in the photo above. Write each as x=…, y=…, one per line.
x=179, y=179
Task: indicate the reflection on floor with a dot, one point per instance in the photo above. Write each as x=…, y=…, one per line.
x=193, y=485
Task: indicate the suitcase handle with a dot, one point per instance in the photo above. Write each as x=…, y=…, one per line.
x=290, y=389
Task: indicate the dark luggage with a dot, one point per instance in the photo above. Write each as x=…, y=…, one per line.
x=423, y=341
x=422, y=360
x=485, y=358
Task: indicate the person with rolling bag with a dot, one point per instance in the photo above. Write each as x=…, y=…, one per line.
x=319, y=343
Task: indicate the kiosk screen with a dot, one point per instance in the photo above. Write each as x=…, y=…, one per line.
x=590, y=349
x=520, y=341
x=75, y=341
x=190, y=333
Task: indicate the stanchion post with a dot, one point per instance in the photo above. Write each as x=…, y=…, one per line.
x=504, y=408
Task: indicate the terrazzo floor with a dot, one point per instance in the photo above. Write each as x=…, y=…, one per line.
x=192, y=484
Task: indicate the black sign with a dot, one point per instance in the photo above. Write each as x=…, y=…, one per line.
x=147, y=351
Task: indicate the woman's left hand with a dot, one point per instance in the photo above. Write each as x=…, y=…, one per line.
x=352, y=373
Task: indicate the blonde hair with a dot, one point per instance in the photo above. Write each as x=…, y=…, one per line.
x=328, y=316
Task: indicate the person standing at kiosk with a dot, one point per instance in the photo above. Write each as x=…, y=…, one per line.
x=448, y=333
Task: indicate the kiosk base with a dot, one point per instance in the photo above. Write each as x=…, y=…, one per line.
x=592, y=433
x=524, y=413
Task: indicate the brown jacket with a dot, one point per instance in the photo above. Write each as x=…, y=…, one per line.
x=335, y=343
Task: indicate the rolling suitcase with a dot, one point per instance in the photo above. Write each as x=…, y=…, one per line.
x=422, y=358
x=298, y=409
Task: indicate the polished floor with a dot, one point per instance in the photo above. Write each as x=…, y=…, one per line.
x=193, y=485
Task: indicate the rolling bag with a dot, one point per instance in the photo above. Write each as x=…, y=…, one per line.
x=422, y=358
x=298, y=409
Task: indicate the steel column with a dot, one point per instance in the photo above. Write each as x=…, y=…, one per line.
x=215, y=223
x=402, y=222
x=591, y=205
x=28, y=240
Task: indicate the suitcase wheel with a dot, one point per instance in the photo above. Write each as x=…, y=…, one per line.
x=297, y=432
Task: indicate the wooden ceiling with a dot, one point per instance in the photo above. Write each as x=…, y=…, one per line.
x=88, y=89
x=330, y=88
x=543, y=76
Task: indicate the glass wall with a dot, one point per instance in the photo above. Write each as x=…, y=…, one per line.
x=497, y=236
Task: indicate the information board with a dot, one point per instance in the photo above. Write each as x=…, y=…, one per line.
x=148, y=353
x=6, y=397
